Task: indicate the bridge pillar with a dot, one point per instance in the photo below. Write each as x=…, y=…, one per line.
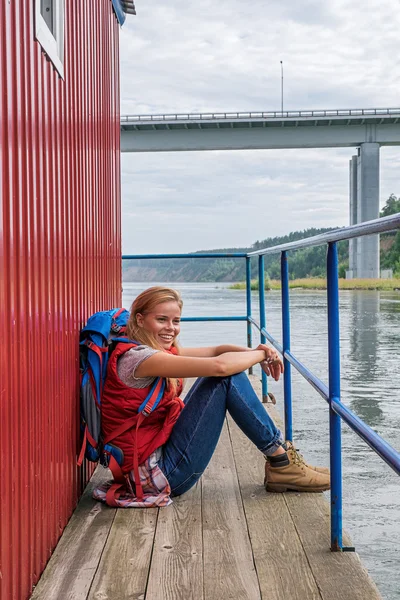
x=352, y=272
x=367, y=209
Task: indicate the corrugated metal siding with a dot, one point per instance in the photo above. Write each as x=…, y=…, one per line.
x=60, y=260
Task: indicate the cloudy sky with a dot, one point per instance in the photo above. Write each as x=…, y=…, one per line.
x=185, y=56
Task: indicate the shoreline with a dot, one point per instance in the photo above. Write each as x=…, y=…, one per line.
x=320, y=284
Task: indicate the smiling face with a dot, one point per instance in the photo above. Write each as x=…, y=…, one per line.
x=163, y=322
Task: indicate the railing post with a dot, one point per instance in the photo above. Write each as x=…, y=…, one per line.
x=334, y=392
x=287, y=378
x=248, y=305
x=261, y=295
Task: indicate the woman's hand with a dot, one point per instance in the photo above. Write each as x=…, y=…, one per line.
x=272, y=365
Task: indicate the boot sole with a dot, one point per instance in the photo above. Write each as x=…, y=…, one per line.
x=276, y=487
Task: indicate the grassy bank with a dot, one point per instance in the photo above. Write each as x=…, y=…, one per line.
x=241, y=285
x=320, y=284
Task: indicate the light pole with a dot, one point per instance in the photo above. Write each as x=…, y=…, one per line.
x=281, y=87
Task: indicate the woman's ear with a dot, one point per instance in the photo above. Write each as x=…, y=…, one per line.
x=139, y=320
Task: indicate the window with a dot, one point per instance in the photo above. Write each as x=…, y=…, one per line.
x=49, y=30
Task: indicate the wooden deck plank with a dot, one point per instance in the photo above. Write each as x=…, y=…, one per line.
x=124, y=565
x=282, y=567
x=229, y=571
x=71, y=569
x=339, y=575
x=176, y=568
x=177, y=563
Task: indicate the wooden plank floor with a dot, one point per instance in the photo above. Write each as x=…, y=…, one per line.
x=224, y=539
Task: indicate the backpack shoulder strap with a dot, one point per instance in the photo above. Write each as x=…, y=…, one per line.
x=153, y=398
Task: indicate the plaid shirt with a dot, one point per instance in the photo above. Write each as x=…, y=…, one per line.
x=156, y=489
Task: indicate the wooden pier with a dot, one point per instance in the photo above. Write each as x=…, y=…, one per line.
x=224, y=539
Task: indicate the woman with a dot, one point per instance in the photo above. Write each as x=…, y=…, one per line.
x=174, y=444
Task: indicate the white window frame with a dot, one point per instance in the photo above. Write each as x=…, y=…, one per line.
x=53, y=45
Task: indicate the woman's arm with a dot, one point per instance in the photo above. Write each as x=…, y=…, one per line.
x=271, y=365
x=163, y=364
x=212, y=350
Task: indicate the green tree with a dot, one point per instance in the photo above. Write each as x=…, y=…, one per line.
x=390, y=242
x=391, y=207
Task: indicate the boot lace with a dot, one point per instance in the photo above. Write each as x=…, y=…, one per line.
x=297, y=458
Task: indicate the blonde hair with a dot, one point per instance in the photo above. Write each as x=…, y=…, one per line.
x=145, y=303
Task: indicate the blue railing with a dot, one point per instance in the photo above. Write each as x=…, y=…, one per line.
x=331, y=392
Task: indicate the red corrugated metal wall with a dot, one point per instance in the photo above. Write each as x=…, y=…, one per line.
x=60, y=260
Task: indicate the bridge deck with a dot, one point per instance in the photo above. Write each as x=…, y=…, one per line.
x=265, y=130
x=225, y=539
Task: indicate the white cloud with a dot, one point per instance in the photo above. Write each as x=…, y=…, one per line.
x=225, y=56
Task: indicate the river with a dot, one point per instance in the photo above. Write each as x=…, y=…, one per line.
x=370, y=375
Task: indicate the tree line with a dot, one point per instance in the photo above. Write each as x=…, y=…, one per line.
x=307, y=262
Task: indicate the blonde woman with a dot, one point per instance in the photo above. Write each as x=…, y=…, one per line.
x=173, y=445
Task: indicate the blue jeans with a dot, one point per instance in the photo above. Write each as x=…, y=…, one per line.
x=195, y=435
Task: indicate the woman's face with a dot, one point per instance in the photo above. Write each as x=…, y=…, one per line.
x=163, y=322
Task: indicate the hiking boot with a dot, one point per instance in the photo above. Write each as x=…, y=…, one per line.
x=295, y=475
x=290, y=449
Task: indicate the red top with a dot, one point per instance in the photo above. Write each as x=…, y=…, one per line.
x=121, y=402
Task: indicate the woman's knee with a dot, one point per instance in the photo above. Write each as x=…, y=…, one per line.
x=210, y=383
x=224, y=380
x=242, y=376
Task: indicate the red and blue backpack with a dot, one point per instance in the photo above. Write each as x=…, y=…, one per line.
x=97, y=339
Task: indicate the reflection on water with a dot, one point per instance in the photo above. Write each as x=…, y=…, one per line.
x=363, y=356
x=370, y=380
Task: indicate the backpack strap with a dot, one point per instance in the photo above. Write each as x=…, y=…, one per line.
x=86, y=438
x=121, y=483
x=154, y=397
x=126, y=425
x=145, y=409
x=138, y=483
x=83, y=447
x=100, y=350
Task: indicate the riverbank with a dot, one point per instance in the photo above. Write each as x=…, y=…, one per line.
x=320, y=284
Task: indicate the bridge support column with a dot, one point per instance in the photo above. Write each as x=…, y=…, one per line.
x=368, y=208
x=352, y=272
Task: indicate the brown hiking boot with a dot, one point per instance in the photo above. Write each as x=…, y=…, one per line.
x=290, y=449
x=296, y=476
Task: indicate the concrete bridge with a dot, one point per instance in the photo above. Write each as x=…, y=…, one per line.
x=365, y=129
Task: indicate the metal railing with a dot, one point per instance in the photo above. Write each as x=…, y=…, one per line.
x=291, y=114
x=331, y=392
